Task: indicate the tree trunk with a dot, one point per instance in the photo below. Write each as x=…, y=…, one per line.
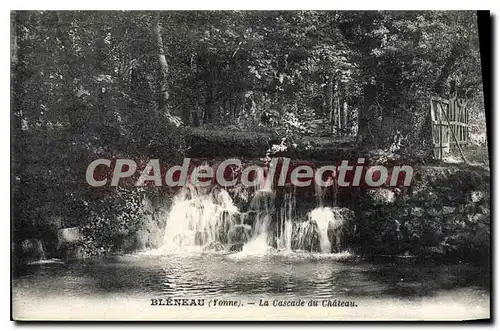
x=240, y=104
x=210, y=104
x=365, y=136
x=162, y=101
x=210, y=93
x=343, y=109
x=329, y=100
x=344, y=116
x=439, y=85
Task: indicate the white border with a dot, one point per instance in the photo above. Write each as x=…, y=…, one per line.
x=214, y=4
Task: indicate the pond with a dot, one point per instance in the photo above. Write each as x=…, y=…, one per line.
x=332, y=286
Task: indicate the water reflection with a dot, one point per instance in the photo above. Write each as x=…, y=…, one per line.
x=287, y=275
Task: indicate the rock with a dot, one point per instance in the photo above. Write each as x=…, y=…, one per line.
x=310, y=240
x=338, y=223
x=272, y=250
x=249, y=217
x=73, y=252
x=155, y=238
x=149, y=235
x=239, y=233
x=214, y=246
x=32, y=250
x=141, y=240
x=477, y=196
x=69, y=244
x=200, y=238
x=235, y=218
x=127, y=243
x=68, y=235
x=238, y=247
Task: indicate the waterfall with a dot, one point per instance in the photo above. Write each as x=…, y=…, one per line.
x=322, y=225
x=285, y=233
x=198, y=218
x=209, y=218
x=320, y=193
x=262, y=205
x=323, y=217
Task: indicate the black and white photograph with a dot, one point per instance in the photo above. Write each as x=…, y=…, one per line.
x=250, y=165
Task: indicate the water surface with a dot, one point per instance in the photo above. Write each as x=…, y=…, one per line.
x=401, y=288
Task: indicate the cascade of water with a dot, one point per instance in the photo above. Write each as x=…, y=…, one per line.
x=266, y=181
x=262, y=204
x=202, y=216
x=321, y=222
x=320, y=192
x=306, y=234
x=322, y=216
x=197, y=218
x=257, y=246
x=285, y=231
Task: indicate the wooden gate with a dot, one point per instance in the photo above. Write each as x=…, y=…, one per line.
x=450, y=125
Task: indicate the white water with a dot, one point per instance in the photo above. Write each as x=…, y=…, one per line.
x=199, y=218
x=325, y=218
x=286, y=232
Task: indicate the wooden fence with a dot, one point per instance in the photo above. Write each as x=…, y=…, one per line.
x=450, y=125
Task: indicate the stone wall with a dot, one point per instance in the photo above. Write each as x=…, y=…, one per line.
x=444, y=213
